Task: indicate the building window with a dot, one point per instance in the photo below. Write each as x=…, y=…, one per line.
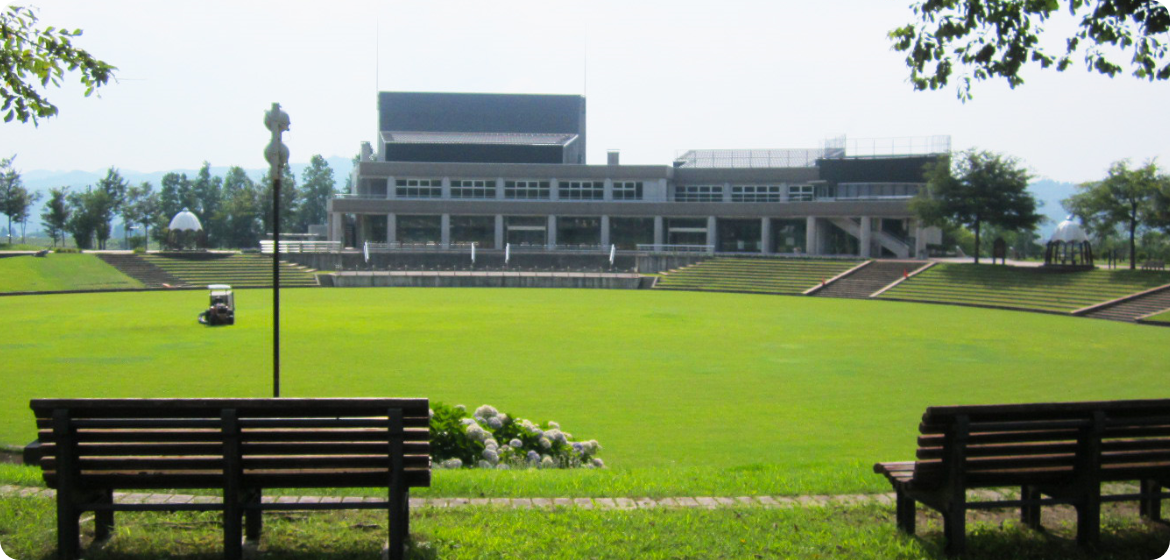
x=698, y=193
x=581, y=190
x=418, y=188
x=800, y=193
x=530, y=190
x=627, y=190
x=473, y=188
x=755, y=193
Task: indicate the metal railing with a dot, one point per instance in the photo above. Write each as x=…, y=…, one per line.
x=301, y=246
x=665, y=248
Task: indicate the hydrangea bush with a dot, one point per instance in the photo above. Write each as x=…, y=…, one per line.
x=490, y=439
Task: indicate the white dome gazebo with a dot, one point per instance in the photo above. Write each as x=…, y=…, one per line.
x=1069, y=246
x=184, y=227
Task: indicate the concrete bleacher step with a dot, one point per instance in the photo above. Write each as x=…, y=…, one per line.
x=869, y=279
x=1131, y=310
x=131, y=265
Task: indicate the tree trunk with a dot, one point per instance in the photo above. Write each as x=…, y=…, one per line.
x=1132, y=245
x=977, y=224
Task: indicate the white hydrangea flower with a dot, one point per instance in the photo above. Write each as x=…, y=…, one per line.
x=533, y=457
x=547, y=463
x=503, y=417
x=599, y=463
x=460, y=408
x=479, y=419
x=545, y=443
x=495, y=422
x=486, y=411
x=476, y=433
x=467, y=421
x=454, y=463
x=502, y=467
x=491, y=444
x=484, y=465
x=430, y=413
x=556, y=436
x=490, y=456
x=516, y=443
x=552, y=424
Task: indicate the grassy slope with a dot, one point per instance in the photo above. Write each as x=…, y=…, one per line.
x=60, y=272
x=688, y=393
x=1161, y=317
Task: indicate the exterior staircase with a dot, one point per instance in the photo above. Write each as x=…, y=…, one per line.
x=868, y=279
x=131, y=265
x=898, y=247
x=1130, y=310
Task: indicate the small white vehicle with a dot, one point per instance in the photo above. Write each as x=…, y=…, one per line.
x=222, y=310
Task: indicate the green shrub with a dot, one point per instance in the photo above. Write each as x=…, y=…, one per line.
x=66, y=250
x=459, y=439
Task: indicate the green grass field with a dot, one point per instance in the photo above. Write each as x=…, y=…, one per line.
x=1160, y=318
x=689, y=393
x=60, y=272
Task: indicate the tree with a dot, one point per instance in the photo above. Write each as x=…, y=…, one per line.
x=316, y=189
x=207, y=193
x=238, y=217
x=996, y=38
x=89, y=216
x=142, y=208
x=974, y=189
x=55, y=216
x=174, y=195
x=30, y=55
x=115, y=188
x=288, y=200
x=1125, y=197
x=22, y=216
x=14, y=198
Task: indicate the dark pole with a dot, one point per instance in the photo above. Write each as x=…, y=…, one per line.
x=277, y=155
x=276, y=283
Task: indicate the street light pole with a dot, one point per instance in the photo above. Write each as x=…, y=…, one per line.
x=277, y=155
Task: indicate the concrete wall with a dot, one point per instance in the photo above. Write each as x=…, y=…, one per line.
x=499, y=280
x=651, y=264
x=484, y=260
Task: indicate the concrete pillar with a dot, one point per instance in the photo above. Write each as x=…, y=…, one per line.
x=445, y=230
x=608, y=192
x=445, y=191
x=865, y=237
x=336, y=225
x=499, y=188
x=359, y=225
x=605, y=231
x=711, y=231
x=919, y=241
x=726, y=192
x=552, y=231
x=659, y=231
x=766, y=236
x=391, y=187
x=499, y=240
x=812, y=236
x=391, y=228
x=553, y=186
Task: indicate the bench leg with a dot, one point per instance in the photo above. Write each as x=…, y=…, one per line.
x=398, y=531
x=1151, y=502
x=103, y=520
x=955, y=528
x=253, y=520
x=906, y=514
x=68, y=528
x=1089, y=518
x=1030, y=513
x=233, y=520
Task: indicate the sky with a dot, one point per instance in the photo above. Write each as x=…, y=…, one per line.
x=194, y=80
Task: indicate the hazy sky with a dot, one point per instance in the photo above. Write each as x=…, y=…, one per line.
x=195, y=79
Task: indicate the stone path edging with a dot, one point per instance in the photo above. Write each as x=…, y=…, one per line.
x=606, y=503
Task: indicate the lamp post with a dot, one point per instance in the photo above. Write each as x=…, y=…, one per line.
x=276, y=153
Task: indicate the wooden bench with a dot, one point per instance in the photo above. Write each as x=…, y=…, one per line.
x=88, y=448
x=1056, y=453
x=1154, y=265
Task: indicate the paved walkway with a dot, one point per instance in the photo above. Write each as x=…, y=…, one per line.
x=706, y=502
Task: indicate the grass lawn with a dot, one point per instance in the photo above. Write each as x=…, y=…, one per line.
x=68, y=271
x=1160, y=318
x=689, y=393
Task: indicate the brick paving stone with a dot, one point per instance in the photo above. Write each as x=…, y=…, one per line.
x=268, y=499
x=133, y=498
x=438, y=502
x=179, y=499
x=667, y=502
x=624, y=503
x=372, y=500
x=351, y=499
x=605, y=503
x=541, y=502
x=785, y=501
x=583, y=503
x=646, y=503
x=686, y=502
x=309, y=500
x=478, y=502
x=417, y=502
x=746, y=501
x=522, y=503
x=563, y=502
x=884, y=499
x=26, y=492
x=286, y=499
x=330, y=500
x=501, y=502
x=767, y=501
x=206, y=500
x=457, y=502
x=706, y=502
x=725, y=501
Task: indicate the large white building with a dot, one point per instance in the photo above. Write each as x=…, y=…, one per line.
x=451, y=169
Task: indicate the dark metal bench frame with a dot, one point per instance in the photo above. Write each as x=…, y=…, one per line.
x=939, y=479
x=56, y=450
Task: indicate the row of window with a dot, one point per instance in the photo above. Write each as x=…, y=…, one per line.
x=743, y=193
x=517, y=190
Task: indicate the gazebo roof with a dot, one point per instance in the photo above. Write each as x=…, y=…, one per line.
x=1069, y=232
x=185, y=220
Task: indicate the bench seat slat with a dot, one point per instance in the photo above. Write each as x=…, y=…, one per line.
x=154, y=464
x=247, y=408
x=208, y=480
x=157, y=449
x=255, y=435
x=214, y=423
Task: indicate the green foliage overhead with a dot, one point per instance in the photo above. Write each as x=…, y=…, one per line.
x=976, y=188
x=990, y=39
x=32, y=58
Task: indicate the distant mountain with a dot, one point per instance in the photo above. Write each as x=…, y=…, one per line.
x=1049, y=193
x=41, y=181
